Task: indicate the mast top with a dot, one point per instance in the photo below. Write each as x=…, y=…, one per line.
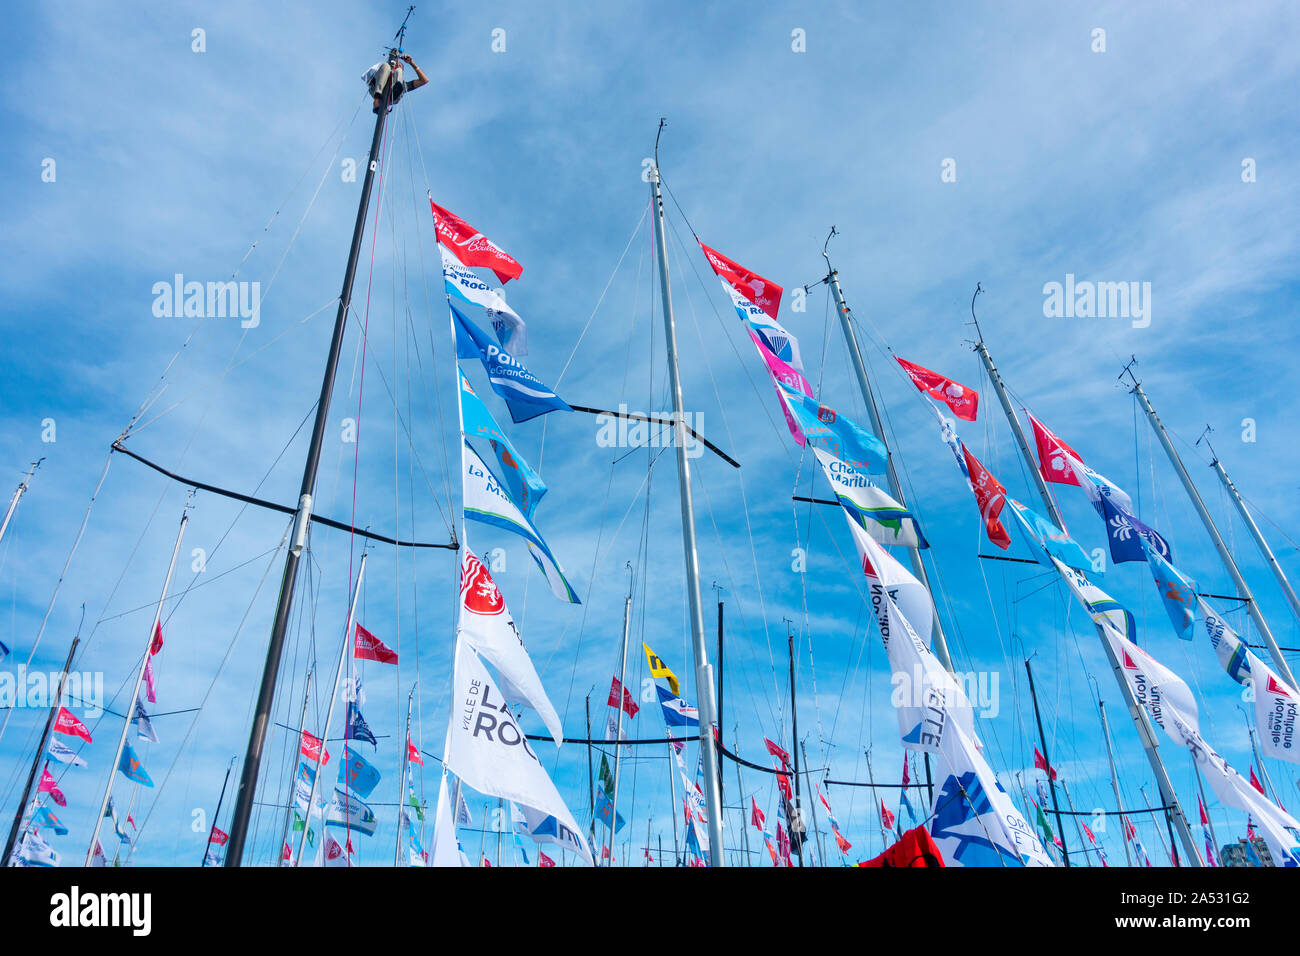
x=1128, y=370
x=979, y=289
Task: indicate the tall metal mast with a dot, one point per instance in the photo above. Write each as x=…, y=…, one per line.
x=1243, y=589
x=704, y=687
x=1114, y=775
x=797, y=820
x=246, y=791
x=217, y=813
x=1145, y=732
x=832, y=279
x=17, y=496
x=618, y=727
x=1253, y=528
x=1047, y=759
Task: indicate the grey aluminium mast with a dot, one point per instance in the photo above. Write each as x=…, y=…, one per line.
x=832, y=279
x=1145, y=732
x=1243, y=589
x=246, y=791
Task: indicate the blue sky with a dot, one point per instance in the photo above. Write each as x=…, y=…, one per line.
x=1124, y=165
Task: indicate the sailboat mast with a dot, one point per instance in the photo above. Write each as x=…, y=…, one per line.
x=1077, y=829
x=217, y=813
x=797, y=816
x=401, y=786
x=939, y=640
x=1243, y=589
x=293, y=781
x=1255, y=533
x=1047, y=759
x=38, y=759
x=1114, y=777
x=703, y=671
x=618, y=732
x=17, y=496
x=812, y=804
x=129, y=718
x=329, y=714
x=246, y=791
x=1145, y=732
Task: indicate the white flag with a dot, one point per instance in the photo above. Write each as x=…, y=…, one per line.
x=465, y=284
x=34, y=851
x=886, y=576
x=63, y=753
x=544, y=828
x=335, y=855
x=880, y=515
x=486, y=748
x=974, y=822
x=774, y=335
x=445, y=850
x=486, y=624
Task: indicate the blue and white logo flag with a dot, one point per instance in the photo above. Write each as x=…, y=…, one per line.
x=346, y=810
x=356, y=728
x=476, y=421
x=143, y=727
x=1128, y=534
x=1045, y=538
x=132, y=768
x=677, y=713
x=487, y=500
x=605, y=810
x=545, y=828
x=974, y=822
x=34, y=851
x=1099, y=605
x=774, y=335
x=841, y=436
x=45, y=817
x=880, y=515
x=356, y=773
x=1177, y=593
x=465, y=285
x=525, y=395
x=63, y=753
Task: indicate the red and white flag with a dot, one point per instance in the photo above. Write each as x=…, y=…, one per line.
x=764, y=293
x=219, y=836
x=756, y=815
x=157, y=644
x=544, y=860
x=962, y=401
x=367, y=647
x=990, y=496
x=1254, y=780
x=50, y=785
x=776, y=751
x=311, y=748
x=1056, y=459
x=886, y=818
x=471, y=247
x=68, y=724
x=334, y=855
x=1040, y=762
x=412, y=754
x=629, y=705
x=1205, y=819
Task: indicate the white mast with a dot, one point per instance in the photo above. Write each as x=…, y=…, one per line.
x=855, y=353
x=329, y=711
x=1140, y=721
x=704, y=687
x=618, y=732
x=1243, y=589
x=135, y=690
x=17, y=496
x=1255, y=533
x=401, y=786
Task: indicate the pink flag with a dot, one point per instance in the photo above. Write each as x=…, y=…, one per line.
x=782, y=371
x=50, y=785
x=148, y=680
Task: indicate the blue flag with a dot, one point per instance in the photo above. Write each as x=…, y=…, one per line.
x=131, y=766
x=356, y=774
x=524, y=393
x=1177, y=593
x=45, y=818
x=476, y=421
x=841, y=436
x=1050, y=538
x=1127, y=534
x=356, y=728
x=4, y=650
x=605, y=810
x=677, y=713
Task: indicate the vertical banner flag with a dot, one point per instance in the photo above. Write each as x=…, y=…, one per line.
x=526, y=486
x=468, y=287
x=990, y=496
x=525, y=395
x=879, y=515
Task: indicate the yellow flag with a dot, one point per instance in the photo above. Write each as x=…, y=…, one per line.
x=659, y=669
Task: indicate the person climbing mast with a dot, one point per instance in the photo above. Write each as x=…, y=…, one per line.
x=390, y=73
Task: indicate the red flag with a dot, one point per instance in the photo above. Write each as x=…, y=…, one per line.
x=616, y=690
x=1254, y=781
x=156, y=646
x=842, y=843
x=886, y=818
x=1130, y=831
x=783, y=845
x=66, y=723
x=544, y=860
x=963, y=402
x=825, y=802
x=487, y=862
x=412, y=754
x=756, y=815
x=50, y=785
x=916, y=848
x=1054, y=455
x=990, y=496
x=471, y=247
x=776, y=751
x=649, y=858
x=1091, y=839
x=311, y=748
x=284, y=852
x=219, y=837
x=1040, y=762
x=1250, y=829
x=906, y=778
x=1205, y=820
x=783, y=782
x=370, y=648
x=764, y=293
